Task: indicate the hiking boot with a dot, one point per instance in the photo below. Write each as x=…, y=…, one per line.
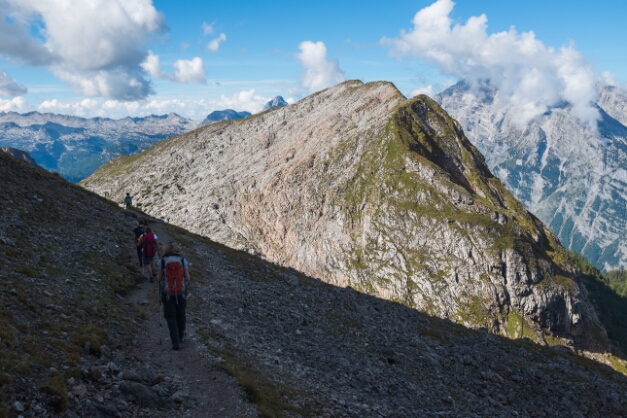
x=152, y=280
x=175, y=346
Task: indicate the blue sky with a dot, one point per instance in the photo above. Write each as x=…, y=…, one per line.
x=90, y=58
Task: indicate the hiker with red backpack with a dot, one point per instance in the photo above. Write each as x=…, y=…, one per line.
x=173, y=275
x=149, y=246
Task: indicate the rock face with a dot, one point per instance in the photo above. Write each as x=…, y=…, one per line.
x=278, y=101
x=363, y=188
x=571, y=177
x=222, y=115
x=75, y=147
x=22, y=155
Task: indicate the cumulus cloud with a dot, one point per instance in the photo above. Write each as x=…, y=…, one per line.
x=428, y=90
x=530, y=77
x=190, y=71
x=187, y=71
x=84, y=108
x=99, y=53
x=8, y=86
x=214, y=44
x=244, y=100
x=247, y=100
x=17, y=104
x=118, y=83
x=320, y=72
x=152, y=65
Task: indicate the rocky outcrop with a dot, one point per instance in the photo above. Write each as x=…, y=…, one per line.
x=363, y=188
x=572, y=177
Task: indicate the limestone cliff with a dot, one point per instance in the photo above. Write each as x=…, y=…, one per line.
x=361, y=187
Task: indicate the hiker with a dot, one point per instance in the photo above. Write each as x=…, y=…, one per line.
x=128, y=200
x=139, y=231
x=173, y=280
x=149, y=246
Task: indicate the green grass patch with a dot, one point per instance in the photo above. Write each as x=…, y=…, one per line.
x=518, y=327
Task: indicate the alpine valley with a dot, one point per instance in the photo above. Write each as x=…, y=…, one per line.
x=361, y=187
x=572, y=177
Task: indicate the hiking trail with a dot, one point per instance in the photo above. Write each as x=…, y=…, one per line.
x=206, y=389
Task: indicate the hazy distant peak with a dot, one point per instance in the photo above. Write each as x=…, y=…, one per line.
x=222, y=115
x=278, y=101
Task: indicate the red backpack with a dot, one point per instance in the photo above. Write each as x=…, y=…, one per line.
x=173, y=275
x=149, y=245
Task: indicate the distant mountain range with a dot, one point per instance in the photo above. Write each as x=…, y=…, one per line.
x=230, y=114
x=573, y=178
x=75, y=147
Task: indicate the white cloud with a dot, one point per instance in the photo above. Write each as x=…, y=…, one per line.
x=320, y=72
x=431, y=89
x=96, y=45
x=9, y=87
x=207, y=28
x=120, y=84
x=53, y=106
x=246, y=100
x=84, y=108
x=428, y=90
x=530, y=76
x=152, y=65
x=190, y=71
x=16, y=104
x=187, y=71
x=214, y=45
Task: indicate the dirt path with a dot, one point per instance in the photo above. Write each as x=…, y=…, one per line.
x=212, y=392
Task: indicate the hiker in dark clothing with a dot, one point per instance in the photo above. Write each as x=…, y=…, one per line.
x=173, y=280
x=148, y=244
x=128, y=200
x=139, y=231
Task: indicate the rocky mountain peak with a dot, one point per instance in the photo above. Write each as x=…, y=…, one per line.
x=222, y=115
x=278, y=101
x=361, y=187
